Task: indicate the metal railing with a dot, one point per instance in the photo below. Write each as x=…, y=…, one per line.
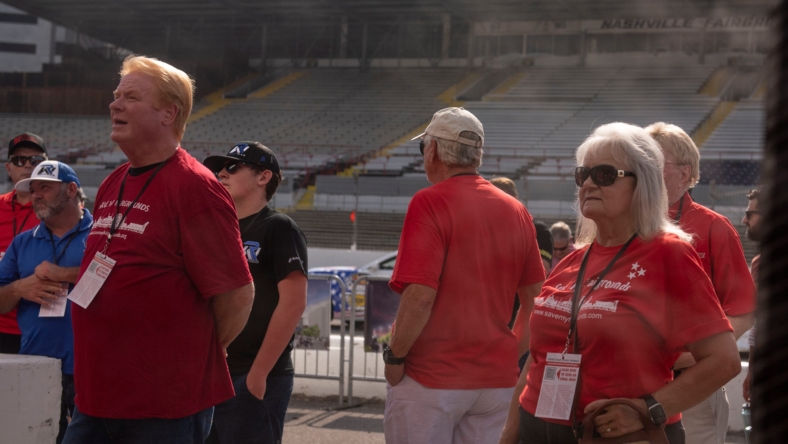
x=317, y=374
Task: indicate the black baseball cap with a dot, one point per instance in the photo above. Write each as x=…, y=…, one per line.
x=254, y=153
x=26, y=140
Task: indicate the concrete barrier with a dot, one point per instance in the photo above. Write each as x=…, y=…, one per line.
x=30, y=390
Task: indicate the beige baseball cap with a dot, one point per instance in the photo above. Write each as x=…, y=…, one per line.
x=448, y=123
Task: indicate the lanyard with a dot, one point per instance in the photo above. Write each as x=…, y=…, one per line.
x=578, y=285
x=56, y=257
x=13, y=215
x=118, y=221
x=678, y=214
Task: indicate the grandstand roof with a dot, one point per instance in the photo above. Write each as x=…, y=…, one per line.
x=113, y=19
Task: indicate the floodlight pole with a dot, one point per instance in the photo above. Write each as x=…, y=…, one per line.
x=354, y=244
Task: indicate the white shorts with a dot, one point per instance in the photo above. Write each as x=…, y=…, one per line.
x=416, y=414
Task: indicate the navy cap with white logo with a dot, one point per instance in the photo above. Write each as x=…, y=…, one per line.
x=253, y=153
x=50, y=171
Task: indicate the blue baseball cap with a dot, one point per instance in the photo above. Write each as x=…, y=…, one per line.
x=51, y=171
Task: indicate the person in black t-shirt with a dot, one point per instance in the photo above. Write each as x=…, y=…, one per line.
x=259, y=358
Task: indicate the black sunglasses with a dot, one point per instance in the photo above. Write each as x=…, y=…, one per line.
x=231, y=167
x=421, y=147
x=20, y=161
x=602, y=175
x=750, y=213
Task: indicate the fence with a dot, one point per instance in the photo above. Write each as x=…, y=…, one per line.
x=304, y=363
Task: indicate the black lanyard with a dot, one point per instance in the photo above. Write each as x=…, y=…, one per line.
x=116, y=221
x=578, y=290
x=681, y=205
x=13, y=215
x=56, y=257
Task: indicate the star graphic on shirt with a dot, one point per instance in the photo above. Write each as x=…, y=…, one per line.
x=642, y=272
x=635, y=266
x=631, y=275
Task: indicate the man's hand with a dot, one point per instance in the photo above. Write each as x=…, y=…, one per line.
x=256, y=386
x=394, y=373
x=47, y=271
x=35, y=289
x=746, y=385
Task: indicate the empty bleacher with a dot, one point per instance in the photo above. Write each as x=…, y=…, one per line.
x=741, y=134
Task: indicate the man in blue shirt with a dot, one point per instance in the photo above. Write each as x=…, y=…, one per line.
x=41, y=266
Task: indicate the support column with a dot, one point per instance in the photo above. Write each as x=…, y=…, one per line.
x=343, y=38
x=364, y=49
x=702, y=47
x=470, y=46
x=446, y=41
x=264, y=48
x=583, y=49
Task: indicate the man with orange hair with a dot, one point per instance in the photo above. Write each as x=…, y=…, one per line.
x=166, y=284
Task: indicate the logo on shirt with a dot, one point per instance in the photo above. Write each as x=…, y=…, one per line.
x=636, y=271
x=252, y=250
x=239, y=150
x=47, y=170
x=106, y=222
x=295, y=258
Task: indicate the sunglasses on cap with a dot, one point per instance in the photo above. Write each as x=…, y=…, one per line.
x=602, y=175
x=20, y=161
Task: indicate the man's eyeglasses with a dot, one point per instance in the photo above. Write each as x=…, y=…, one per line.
x=231, y=167
x=421, y=147
x=748, y=214
x=20, y=161
x=602, y=175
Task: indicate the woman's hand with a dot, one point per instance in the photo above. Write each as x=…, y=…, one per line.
x=510, y=435
x=617, y=420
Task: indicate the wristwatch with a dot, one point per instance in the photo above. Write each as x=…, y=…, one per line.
x=389, y=358
x=658, y=416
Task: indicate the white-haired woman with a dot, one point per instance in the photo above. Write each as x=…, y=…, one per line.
x=642, y=298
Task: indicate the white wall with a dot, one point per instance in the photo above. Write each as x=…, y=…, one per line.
x=30, y=390
x=39, y=34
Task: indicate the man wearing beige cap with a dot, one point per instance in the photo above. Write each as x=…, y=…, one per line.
x=466, y=248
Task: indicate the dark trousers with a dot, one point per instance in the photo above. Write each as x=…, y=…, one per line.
x=85, y=429
x=537, y=431
x=9, y=343
x=245, y=419
x=66, y=406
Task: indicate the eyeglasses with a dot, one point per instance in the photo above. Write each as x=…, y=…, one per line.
x=20, y=161
x=231, y=167
x=421, y=147
x=749, y=213
x=562, y=248
x=602, y=175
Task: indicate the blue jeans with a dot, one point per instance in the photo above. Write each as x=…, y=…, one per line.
x=245, y=419
x=86, y=429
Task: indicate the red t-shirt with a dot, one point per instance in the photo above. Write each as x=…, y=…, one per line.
x=147, y=347
x=654, y=301
x=476, y=245
x=719, y=247
x=26, y=219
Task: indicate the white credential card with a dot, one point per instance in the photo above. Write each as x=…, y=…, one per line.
x=56, y=309
x=91, y=281
x=559, y=383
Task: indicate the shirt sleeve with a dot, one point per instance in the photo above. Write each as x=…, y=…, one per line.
x=692, y=310
x=212, y=251
x=288, y=250
x=422, y=249
x=9, y=269
x=731, y=278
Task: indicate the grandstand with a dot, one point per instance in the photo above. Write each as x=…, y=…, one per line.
x=338, y=94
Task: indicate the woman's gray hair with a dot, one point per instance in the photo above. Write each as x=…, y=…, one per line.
x=456, y=154
x=634, y=148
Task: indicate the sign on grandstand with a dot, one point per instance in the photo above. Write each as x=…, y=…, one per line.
x=754, y=23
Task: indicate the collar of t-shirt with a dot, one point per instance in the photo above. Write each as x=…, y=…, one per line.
x=245, y=223
x=675, y=207
x=142, y=170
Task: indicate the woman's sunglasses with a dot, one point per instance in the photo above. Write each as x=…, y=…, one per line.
x=20, y=161
x=602, y=175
